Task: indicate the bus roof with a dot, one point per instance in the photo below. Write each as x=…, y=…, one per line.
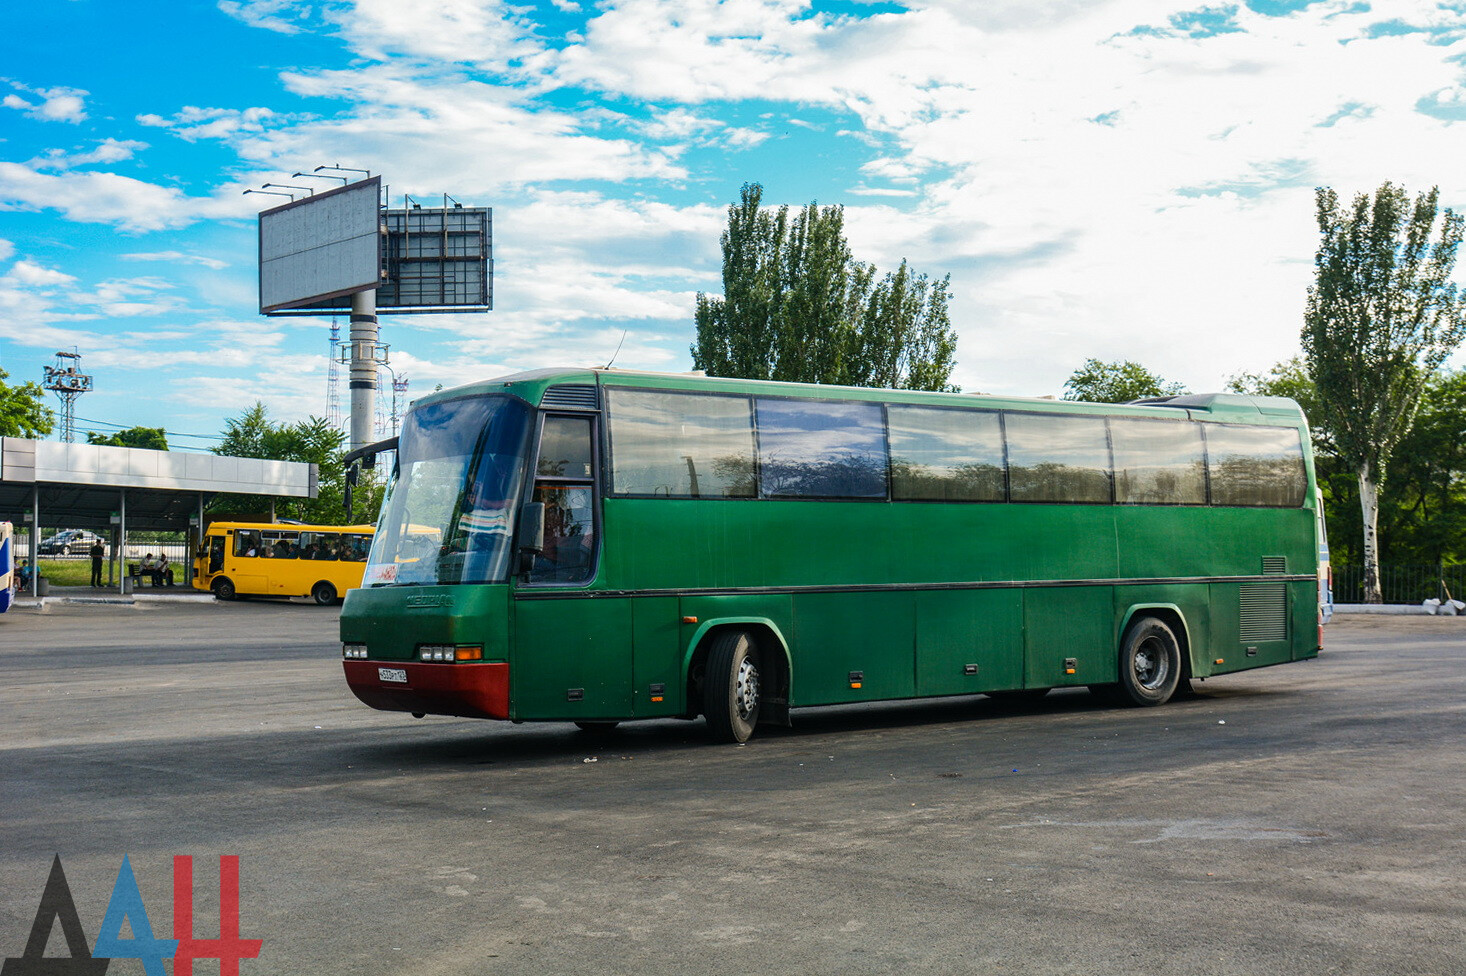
x=294, y=527
x=1234, y=407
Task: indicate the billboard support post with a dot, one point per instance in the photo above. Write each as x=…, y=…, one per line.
x=363, y=366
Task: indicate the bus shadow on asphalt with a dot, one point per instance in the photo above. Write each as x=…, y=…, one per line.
x=536, y=743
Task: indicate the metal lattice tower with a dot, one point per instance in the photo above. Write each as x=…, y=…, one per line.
x=67, y=381
x=399, y=386
x=333, y=378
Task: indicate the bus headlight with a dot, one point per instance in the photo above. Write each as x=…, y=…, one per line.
x=448, y=653
x=435, y=652
x=357, y=652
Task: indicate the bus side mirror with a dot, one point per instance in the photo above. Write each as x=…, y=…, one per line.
x=531, y=534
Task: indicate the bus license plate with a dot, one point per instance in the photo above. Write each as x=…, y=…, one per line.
x=392, y=674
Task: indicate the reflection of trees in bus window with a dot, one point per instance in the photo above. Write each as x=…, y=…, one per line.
x=681, y=445
x=1057, y=458
x=1255, y=466
x=821, y=449
x=945, y=455
x=1158, y=462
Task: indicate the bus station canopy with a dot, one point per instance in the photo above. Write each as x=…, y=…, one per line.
x=84, y=485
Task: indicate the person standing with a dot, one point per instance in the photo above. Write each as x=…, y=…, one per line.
x=97, y=552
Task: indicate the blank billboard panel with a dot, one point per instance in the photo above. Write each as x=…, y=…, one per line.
x=436, y=260
x=326, y=246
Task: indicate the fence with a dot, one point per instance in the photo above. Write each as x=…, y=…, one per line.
x=1402, y=584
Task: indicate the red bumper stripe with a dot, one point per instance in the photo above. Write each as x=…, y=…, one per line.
x=465, y=690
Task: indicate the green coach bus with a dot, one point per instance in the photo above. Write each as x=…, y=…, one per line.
x=596, y=546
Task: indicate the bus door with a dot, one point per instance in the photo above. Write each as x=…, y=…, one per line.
x=572, y=648
x=216, y=554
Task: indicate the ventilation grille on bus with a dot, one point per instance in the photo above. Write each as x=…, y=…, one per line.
x=1264, y=609
x=571, y=396
x=1275, y=565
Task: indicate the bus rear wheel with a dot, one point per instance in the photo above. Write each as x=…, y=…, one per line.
x=224, y=589
x=323, y=593
x=1150, y=663
x=730, y=691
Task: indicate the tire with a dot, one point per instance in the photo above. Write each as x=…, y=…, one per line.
x=1150, y=663
x=323, y=593
x=224, y=589
x=730, y=691
x=597, y=728
x=1018, y=696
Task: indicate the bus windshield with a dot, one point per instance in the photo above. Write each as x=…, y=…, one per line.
x=448, y=514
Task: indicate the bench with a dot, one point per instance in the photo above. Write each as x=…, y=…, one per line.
x=136, y=574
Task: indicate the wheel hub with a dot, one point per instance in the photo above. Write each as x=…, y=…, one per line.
x=745, y=692
x=1150, y=665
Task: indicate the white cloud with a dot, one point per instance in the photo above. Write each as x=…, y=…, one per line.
x=109, y=150
x=473, y=138
x=33, y=275
x=192, y=123
x=175, y=257
x=266, y=14
x=488, y=32
x=107, y=198
x=58, y=104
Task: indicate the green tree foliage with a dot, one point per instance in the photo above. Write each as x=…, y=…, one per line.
x=1118, y=382
x=314, y=441
x=151, y=438
x=1290, y=379
x=1423, y=516
x=1425, y=520
x=23, y=410
x=797, y=306
x=1381, y=317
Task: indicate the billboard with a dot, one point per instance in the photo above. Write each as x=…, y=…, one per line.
x=327, y=246
x=434, y=260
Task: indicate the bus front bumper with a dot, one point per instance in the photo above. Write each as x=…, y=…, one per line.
x=465, y=690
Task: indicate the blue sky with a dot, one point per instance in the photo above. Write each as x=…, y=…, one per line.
x=1129, y=179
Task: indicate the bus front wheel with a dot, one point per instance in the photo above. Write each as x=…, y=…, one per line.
x=1150, y=662
x=730, y=691
x=224, y=589
x=324, y=594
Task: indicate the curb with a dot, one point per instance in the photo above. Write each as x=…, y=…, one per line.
x=1392, y=609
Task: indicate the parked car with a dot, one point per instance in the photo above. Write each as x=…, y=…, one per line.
x=76, y=542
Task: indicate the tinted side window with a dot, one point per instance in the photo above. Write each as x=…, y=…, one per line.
x=1055, y=458
x=1158, y=462
x=1255, y=466
x=565, y=450
x=681, y=445
x=945, y=455
x=821, y=449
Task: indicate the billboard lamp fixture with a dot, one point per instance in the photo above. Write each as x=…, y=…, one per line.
x=344, y=169
x=286, y=186
x=271, y=193
x=319, y=176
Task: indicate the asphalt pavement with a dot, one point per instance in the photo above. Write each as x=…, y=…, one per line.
x=1305, y=819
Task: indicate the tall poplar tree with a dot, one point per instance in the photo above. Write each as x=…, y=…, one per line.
x=1382, y=316
x=797, y=306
